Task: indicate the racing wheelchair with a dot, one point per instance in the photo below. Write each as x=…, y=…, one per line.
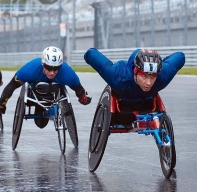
x=147, y=117
x=55, y=104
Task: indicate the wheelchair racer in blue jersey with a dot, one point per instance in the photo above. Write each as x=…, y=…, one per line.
x=49, y=68
x=143, y=75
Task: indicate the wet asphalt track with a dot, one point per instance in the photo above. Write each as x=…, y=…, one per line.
x=130, y=163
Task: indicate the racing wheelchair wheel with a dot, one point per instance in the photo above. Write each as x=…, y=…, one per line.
x=61, y=129
x=18, y=121
x=1, y=123
x=99, y=131
x=167, y=153
x=69, y=121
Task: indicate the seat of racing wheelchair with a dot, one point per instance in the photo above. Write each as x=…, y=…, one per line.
x=126, y=110
x=43, y=91
x=46, y=88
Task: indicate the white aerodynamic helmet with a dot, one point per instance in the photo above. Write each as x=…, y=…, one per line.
x=52, y=56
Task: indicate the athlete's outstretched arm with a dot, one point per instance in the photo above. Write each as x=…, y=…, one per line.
x=101, y=64
x=170, y=66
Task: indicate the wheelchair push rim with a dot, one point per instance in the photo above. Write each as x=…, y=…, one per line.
x=167, y=153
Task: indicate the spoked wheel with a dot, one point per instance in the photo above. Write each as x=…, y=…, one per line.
x=61, y=130
x=1, y=123
x=99, y=131
x=18, y=121
x=167, y=153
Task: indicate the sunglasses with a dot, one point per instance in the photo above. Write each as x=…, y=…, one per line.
x=51, y=68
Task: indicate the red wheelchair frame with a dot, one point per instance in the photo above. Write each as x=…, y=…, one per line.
x=114, y=107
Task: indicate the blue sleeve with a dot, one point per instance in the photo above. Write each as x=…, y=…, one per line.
x=101, y=64
x=30, y=71
x=96, y=59
x=170, y=66
x=67, y=76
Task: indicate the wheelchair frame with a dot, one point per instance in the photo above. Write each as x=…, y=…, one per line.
x=104, y=124
x=59, y=109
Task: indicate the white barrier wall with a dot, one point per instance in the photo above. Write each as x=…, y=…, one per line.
x=76, y=57
x=123, y=54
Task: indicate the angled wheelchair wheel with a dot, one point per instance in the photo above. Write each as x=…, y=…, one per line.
x=99, y=131
x=1, y=123
x=167, y=154
x=18, y=121
x=69, y=122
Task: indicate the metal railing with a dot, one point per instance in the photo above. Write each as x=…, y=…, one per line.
x=77, y=57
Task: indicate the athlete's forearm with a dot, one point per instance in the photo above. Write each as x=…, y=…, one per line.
x=9, y=89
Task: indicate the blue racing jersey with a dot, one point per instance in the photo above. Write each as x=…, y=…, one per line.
x=120, y=75
x=32, y=72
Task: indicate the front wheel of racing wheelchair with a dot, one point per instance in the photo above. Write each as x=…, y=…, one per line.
x=56, y=107
x=167, y=153
x=108, y=113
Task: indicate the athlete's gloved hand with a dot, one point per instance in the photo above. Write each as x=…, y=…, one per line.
x=2, y=108
x=85, y=99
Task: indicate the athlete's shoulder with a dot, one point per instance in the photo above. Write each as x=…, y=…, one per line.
x=175, y=60
x=29, y=70
x=36, y=61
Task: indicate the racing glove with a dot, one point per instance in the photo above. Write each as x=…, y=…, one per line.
x=3, y=102
x=2, y=108
x=85, y=99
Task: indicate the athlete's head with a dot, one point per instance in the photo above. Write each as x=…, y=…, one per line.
x=52, y=59
x=147, y=64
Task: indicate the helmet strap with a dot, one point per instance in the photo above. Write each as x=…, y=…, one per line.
x=140, y=72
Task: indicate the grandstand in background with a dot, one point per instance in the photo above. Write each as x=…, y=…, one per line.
x=99, y=23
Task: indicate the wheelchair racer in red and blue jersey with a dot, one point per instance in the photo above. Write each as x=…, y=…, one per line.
x=136, y=82
x=144, y=74
x=49, y=68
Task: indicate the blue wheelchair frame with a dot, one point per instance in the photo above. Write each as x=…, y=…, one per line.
x=155, y=132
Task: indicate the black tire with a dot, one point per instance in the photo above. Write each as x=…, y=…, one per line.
x=1, y=123
x=61, y=129
x=62, y=139
x=100, y=130
x=18, y=121
x=167, y=154
x=70, y=122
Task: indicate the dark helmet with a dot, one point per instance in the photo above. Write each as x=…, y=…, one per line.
x=148, y=61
